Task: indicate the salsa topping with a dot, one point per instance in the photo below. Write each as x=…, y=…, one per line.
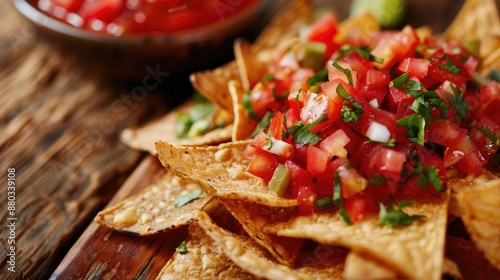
x=375, y=126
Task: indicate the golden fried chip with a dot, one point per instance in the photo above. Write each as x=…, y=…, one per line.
x=470, y=261
x=361, y=25
x=203, y=260
x=359, y=266
x=243, y=125
x=213, y=84
x=323, y=263
x=459, y=184
x=253, y=217
x=144, y=137
x=419, y=245
x=477, y=20
x=153, y=210
x=250, y=66
x=220, y=171
x=481, y=217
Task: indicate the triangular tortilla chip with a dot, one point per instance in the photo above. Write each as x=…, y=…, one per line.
x=253, y=217
x=220, y=171
x=478, y=20
x=144, y=137
x=481, y=217
x=153, y=210
x=459, y=184
x=243, y=125
x=419, y=245
x=213, y=84
x=203, y=260
x=362, y=25
x=249, y=66
x=323, y=263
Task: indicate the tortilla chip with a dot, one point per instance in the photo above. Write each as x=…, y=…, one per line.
x=419, y=245
x=492, y=59
x=144, y=137
x=362, y=26
x=220, y=171
x=253, y=217
x=470, y=261
x=459, y=184
x=243, y=125
x=213, y=84
x=250, y=66
x=477, y=19
x=359, y=266
x=482, y=218
x=323, y=263
x=153, y=210
x=203, y=260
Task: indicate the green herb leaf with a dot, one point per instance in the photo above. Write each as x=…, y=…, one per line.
x=182, y=248
x=395, y=217
x=324, y=203
x=337, y=190
x=351, y=114
x=415, y=125
x=450, y=66
x=346, y=71
x=428, y=174
x=267, y=77
x=248, y=105
x=343, y=213
x=182, y=200
x=342, y=92
x=363, y=51
x=458, y=102
x=321, y=76
x=378, y=180
x=266, y=120
x=183, y=124
x=303, y=135
x=489, y=133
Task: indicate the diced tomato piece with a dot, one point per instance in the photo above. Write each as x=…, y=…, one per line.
x=490, y=101
x=358, y=64
x=249, y=152
x=415, y=66
x=271, y=145
x=334, y=144
x=306, y=197
x=472, y=163
x=323, y=30
x=317, y=106
x=317, y=161
x=261, y=100
x=454, y=154
x=446, y=133
x=389, y=163
x=377, y=78
x=395, y=97
x=297, y=172
x=360, y=205
x=334, y=73
x=276, y=126
x=394, y=47
x=446, y=67
x=263, y=165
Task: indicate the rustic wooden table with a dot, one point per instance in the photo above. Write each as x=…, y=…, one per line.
x=59, y=138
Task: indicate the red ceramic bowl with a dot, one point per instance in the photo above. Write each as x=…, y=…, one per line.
x=132, y=57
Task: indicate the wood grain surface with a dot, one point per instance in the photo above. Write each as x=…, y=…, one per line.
x=59, y=129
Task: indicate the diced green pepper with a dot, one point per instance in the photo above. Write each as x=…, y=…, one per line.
x=473, y=47
x=280, y=182
x=313, y=56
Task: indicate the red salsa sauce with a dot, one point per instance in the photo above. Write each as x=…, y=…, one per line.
x=363, y=126
x=133, y=17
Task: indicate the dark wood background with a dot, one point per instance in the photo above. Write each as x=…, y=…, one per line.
x=59, y=129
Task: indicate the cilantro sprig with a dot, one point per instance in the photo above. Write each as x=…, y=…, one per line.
x=362, y=51
x=393, y=215
x=321, y=76
x=352, y=110
x=335, y=200
x=458, y=102
x=302, y=133
x=346, y=71
x=182, y=200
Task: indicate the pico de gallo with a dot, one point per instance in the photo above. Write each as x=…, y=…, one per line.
x=132, y=17
x=366, y=126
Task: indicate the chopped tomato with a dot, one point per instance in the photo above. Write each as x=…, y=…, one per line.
x=317, y=161
x=319, y=106
x=263, y=165
x=276, y=127
x=323, y=30
x=271, y=145
x=305, y=198
x=417, y=67
x=490, y=101
x=446, y=133
x=389, y=163
x=454, y=154
x=360, y=205
x=334, y=144
x=351, y=181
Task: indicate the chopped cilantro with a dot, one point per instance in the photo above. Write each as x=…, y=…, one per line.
x=458, y=102
x=303, y=135
x=321, y=76
x=324, y=203
x=266, y=120
x=426, y=174
x=395, y=217
x=415, y=125
x=343, y=213
x=201, y=109
x=183, y=124
x=378, y=180
x=352, y=114
x=342, y=92
x=362, y=51
x=450, y=66
x=346, y=71
x=248, y=105
x=182, y=200
x=337, y=190
x=281, y=97
x=267, y=77
x=182, y=248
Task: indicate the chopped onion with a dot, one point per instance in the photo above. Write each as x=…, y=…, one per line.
x=378, y=132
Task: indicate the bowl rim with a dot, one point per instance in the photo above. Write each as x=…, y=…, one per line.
x=40, y=19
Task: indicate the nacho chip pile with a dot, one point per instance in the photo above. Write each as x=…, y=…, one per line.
x=241, y=229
